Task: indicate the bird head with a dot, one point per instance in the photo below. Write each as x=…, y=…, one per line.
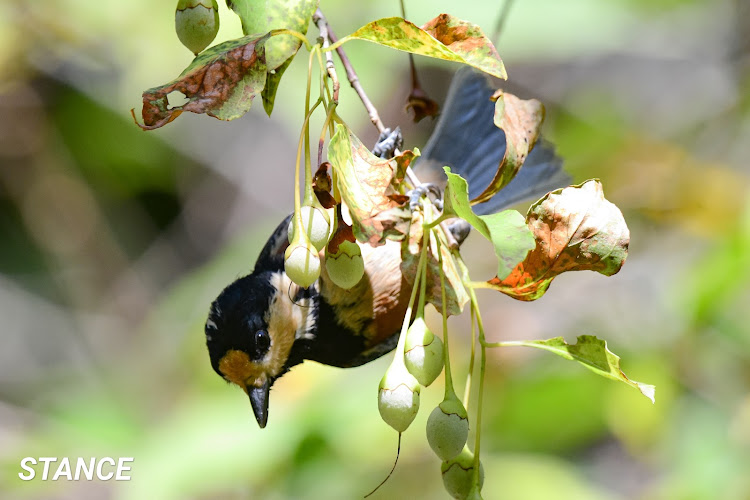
x=251, y=330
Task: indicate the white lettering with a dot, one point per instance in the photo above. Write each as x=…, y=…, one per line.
x=88, y=472
x=31, y=472
x=104, y=468
x=99, y=474
x=122, y=468
x=46, y=461
x=63, y=469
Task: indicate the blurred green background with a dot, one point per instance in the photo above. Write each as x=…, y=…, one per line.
x=114, y=242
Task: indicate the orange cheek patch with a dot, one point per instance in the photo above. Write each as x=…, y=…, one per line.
x=238, y=369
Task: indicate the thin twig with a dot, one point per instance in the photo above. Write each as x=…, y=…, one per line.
x=323, y=27
x=501, y=20
x=351, y=75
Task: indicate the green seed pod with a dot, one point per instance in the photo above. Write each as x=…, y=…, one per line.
x=448, y=428
x=316, y=223
x=398, y=397
x=345, y=267
x=196, y=23
x=302, y=264
x=458, y=474
x=423, y=353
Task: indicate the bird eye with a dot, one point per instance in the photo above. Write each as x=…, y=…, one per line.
x=262, y=340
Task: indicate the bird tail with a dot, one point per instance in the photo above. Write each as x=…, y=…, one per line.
x=467, y=140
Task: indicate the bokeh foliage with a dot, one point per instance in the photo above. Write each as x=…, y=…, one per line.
x=115, y=241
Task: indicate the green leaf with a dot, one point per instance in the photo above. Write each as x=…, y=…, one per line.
x=444, y=37
x=576, y=229
x=521, y=121
x=272, y=85
x=507, y=230
x=366, y=183
x=221, y=82
x=592, y=353
x=262, y=16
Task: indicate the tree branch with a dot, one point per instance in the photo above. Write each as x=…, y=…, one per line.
x=371, y=109
x=320, y=20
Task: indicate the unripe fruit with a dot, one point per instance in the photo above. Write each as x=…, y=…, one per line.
x=302, y=264
x=448, y=428
x=423, y=353
x=345, y=267
x=398, y=397
x=316, y=225
x=458, y=474
x=196, y=23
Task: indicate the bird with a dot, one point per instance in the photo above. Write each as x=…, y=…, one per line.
x=263, y=324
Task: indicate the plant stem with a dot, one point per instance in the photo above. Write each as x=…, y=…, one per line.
x=421, y=274
x=321, y=141
x=467, y=389
x=351, y=75
x=320, y=20
x=306, y=130
x=426, y=210
x=482, y=365
x=501, y=20
x=449, y=390
x=295, y=34
x=297, y=204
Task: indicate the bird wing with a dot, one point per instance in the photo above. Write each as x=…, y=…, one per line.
x=467, y=140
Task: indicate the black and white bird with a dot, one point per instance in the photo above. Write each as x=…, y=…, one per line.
x=263, y=324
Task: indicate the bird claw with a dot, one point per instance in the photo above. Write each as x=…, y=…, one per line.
x=416, y=194
x=388, y=142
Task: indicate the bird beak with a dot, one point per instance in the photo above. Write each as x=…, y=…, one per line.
x=259, y=402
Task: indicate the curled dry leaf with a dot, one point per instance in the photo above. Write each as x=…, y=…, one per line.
x=322, y=184
x=368, y=185
x=521, y=121
x=221, y=82
x=444, y=37
x=575, y=229
x=456, y=295
x=421, y=104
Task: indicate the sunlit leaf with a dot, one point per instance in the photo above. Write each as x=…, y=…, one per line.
x=521, y=121
x=262, y=16
x=221, y=82
x=507, y=230
x=576, y=229
x=592, y=353
x=444, y=37
x=366, y=183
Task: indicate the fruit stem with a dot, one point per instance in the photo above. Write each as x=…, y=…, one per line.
x=298, y=232
x=306, y=129
x=427, y=215
x=324, y=129
x=421, y=271
x=467, y=388
x=450, y=392
x=295, y=34
x=482, y=366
